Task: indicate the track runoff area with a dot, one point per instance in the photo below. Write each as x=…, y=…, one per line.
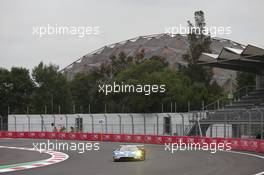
x=26, y=156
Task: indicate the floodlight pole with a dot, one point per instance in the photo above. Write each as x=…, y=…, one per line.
x=89, y=109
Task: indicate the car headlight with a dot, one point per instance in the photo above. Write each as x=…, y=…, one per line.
x=138, y=153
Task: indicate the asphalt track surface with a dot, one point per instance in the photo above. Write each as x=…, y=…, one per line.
x=12, y=156
x=158, y=162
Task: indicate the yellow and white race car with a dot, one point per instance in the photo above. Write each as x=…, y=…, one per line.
x=129, y=152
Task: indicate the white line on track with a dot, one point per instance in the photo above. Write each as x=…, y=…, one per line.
x=249, y=154
x=234, y=152
x=56, y=157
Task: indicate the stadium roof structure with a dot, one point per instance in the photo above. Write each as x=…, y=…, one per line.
x=170, y=47
x=250, y=59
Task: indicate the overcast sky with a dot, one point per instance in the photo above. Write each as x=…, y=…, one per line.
x=117, y=20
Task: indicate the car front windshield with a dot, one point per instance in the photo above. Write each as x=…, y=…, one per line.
x=128, y=149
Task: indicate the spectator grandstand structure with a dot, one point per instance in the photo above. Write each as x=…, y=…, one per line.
x=245, y=113
x=171, y=47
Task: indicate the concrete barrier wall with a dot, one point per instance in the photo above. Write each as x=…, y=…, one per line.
x=106, y=123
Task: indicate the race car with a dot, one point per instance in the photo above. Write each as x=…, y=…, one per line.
x=129, y=152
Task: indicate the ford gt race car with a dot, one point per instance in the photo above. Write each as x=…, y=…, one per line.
x=129, y=152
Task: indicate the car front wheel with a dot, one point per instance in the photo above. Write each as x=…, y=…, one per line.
x=143, y=157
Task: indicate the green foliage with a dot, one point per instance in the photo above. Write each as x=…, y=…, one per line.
x=48, y=87
x=5, y=90
x=179, y=89
x=198, y=43
x=15, y=89
x=119, y=63
x=197, y=73
x=201, y=77
x=52, y=92
x=148, y=72
x=84, y=92
x=245, y=79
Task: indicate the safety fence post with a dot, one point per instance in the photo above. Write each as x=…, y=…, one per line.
x=1, y=118
x=211, y=130
x=144, y=118
x=132, y=123
x=182, y=124
x=28, y=123
x=66, y=119
x=157, y=124
x=92, y=118
x=106, y=130
x=54, y=120
x=15, y=123
x=225, y=126
x=120, y=123
x=249, y=123
x=261, y=123
x=261, y=126
x=42, y=123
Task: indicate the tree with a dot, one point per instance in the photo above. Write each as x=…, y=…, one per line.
x=198, y=43
x=16, y=87
x=22, y=88
x=84, y=89
x=154, y=71
x=245, y=79
x=5, y=89
x=52, y=92
x=201, y=76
